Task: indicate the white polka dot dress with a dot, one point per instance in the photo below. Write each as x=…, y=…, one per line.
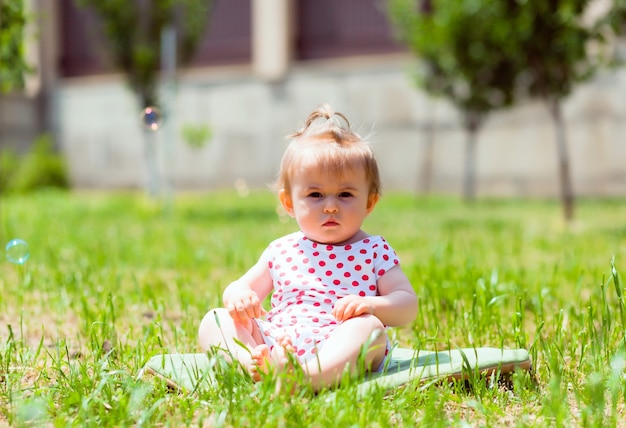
x=310, y=277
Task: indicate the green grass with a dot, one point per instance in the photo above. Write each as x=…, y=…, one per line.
x=114, y=279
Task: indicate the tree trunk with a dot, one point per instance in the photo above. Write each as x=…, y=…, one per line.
x=567, y=193
x=427, y=162
x=428, y=153
x=152, y=183
x=469, y=183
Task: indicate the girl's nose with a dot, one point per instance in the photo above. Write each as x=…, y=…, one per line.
x=330, y=207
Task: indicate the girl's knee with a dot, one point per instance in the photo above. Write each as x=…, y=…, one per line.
x=371, y=322
x=210, y=326
x=373, y=326
x=212, y=318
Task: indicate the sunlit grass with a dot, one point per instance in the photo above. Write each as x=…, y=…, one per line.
x=114, y=279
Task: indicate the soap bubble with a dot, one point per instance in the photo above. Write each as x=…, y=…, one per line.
x=17, y=251
x=31, y=412
x=151, y=118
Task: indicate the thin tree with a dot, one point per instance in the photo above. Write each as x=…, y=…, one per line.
x=461, y=46
x=13, y=64
x=134, y=30
x=505, y=49
x=552, y=40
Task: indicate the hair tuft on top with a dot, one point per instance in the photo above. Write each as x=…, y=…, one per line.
x=331, y=121
x=327, y=139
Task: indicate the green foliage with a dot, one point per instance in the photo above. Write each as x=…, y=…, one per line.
x=196, y=136
x=12, y=61
x=616, y=20
x=552, y=41
x=113, y=280
x=39, y=168
x=619, y=17
x=464, y=49
x=481, y=54
x=134, y=28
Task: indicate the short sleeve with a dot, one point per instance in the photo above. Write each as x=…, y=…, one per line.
x=385, y=257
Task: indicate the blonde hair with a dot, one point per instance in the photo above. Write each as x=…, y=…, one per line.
x=326, y=138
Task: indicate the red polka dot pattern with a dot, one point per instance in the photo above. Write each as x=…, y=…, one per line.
x=309, y=278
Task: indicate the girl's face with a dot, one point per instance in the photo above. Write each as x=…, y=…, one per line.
x=327, y=208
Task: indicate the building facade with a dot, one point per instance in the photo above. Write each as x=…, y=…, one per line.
x=264, y=65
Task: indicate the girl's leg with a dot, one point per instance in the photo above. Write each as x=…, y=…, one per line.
x=219, y=329
x=344, y=347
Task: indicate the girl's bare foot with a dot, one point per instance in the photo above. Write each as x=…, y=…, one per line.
x=260, y=361
x=264, y=360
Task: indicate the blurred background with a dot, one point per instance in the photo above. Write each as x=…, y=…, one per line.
x=229, y=80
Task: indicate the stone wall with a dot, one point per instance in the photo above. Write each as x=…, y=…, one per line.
x=100, y=131
x=18, y=122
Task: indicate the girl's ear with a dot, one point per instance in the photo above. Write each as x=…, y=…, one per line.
x=372, y=200
x=286, y=201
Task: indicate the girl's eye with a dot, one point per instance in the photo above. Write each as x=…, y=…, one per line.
x=345, y=194
x=315, y=195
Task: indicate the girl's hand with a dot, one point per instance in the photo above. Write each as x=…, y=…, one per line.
x=243, y=304
x=352, y=306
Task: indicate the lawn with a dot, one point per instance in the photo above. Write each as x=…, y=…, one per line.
x=114, y=279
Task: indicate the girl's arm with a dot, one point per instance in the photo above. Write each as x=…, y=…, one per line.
x=243, y=298
x=396, y=304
